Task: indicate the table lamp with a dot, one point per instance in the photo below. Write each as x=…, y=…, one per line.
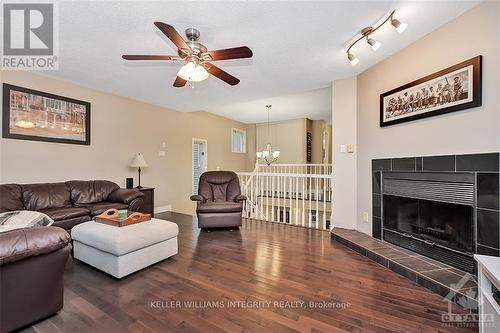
x=138, y=162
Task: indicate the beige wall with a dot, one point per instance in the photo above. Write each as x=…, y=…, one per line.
x=289, y=137
x=344, y=102
x=477, y=32
x=251, y=146
x=120, y=128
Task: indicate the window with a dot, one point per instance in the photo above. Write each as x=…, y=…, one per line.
x=238, y=140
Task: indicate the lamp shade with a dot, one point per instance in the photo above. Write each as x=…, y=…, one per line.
x=138, y=161
x=193, y=72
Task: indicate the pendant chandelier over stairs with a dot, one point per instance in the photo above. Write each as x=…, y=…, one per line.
x=268, y=156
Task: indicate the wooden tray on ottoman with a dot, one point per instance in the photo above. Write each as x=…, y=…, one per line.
x=112, y=217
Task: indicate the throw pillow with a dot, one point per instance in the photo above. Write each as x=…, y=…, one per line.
x=23, y=219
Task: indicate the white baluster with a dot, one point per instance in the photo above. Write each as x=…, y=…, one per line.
x=279, y=196
x=324, y=203
x=284, y=199
x=302, y=222
x=290, y=210
x=272, y=198
x=267, y=197
x=296, y=179
x=310, y=201
x=317, y=202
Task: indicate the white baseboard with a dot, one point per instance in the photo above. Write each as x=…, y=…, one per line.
x=162, y=209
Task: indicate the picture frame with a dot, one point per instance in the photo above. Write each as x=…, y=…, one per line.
x=455, y=88
x=40, y=116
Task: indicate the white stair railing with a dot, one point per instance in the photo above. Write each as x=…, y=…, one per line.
x=284, y=193
x=250, y=208
x=316, y=169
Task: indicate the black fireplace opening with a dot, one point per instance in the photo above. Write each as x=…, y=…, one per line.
x=446, y=224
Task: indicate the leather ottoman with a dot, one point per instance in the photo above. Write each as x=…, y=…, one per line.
x=122, y=251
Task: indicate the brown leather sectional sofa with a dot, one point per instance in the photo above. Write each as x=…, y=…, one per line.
x=32, y=260
x=32, y=265
x=69, y=203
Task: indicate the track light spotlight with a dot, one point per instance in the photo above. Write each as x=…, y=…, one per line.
x=375, y=45
x=352, y=59
x=399, y=26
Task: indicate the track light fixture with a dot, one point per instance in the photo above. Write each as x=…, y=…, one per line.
x=374, y=44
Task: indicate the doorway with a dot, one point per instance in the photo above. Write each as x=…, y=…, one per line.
x=200, y=158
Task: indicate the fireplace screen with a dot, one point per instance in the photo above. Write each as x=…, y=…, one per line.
x=450, y=225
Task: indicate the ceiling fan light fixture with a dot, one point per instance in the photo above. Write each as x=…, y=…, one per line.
x=399, y=26
x=374, y=44
x=352, y=59
x=193, y=72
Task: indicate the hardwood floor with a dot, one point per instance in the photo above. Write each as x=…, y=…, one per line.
x=341, y=290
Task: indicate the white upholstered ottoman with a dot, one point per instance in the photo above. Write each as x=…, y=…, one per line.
x=122, y=251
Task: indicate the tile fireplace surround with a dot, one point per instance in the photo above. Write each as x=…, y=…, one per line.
x=485, y=168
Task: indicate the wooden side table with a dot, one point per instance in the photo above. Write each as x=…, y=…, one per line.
x=148, y=205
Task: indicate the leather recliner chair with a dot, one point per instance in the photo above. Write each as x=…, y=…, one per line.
x=219, y=200
x=32, y=265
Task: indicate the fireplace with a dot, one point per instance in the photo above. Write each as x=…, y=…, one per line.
x=444, y=224
x=432, y=214
x=444, y=207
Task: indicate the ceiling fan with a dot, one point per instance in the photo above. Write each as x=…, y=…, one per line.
x=197, y=57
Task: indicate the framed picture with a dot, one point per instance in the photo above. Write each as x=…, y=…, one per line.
x=34, y=115
x=451, y=89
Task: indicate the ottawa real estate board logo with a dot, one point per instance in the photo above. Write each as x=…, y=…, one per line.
x=29, y=36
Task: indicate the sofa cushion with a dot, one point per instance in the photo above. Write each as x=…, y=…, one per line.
x=220, y=207
x=44, y=196
x=125, y=195
x=70, y=223
x=58, y=214
x=100, y=207
x=90, y=191
x=120, y=241
x=19, y=244
x=11, y=198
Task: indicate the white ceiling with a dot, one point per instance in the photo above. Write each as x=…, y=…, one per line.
x=313, y=104
x=298, y=46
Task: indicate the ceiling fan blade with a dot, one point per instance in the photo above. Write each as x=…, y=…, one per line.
x=149, y=57
x=219, y=73
x=226, y=54
x=179, y=82
x=173, y=35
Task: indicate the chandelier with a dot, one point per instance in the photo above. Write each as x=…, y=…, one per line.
x=268, y=156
